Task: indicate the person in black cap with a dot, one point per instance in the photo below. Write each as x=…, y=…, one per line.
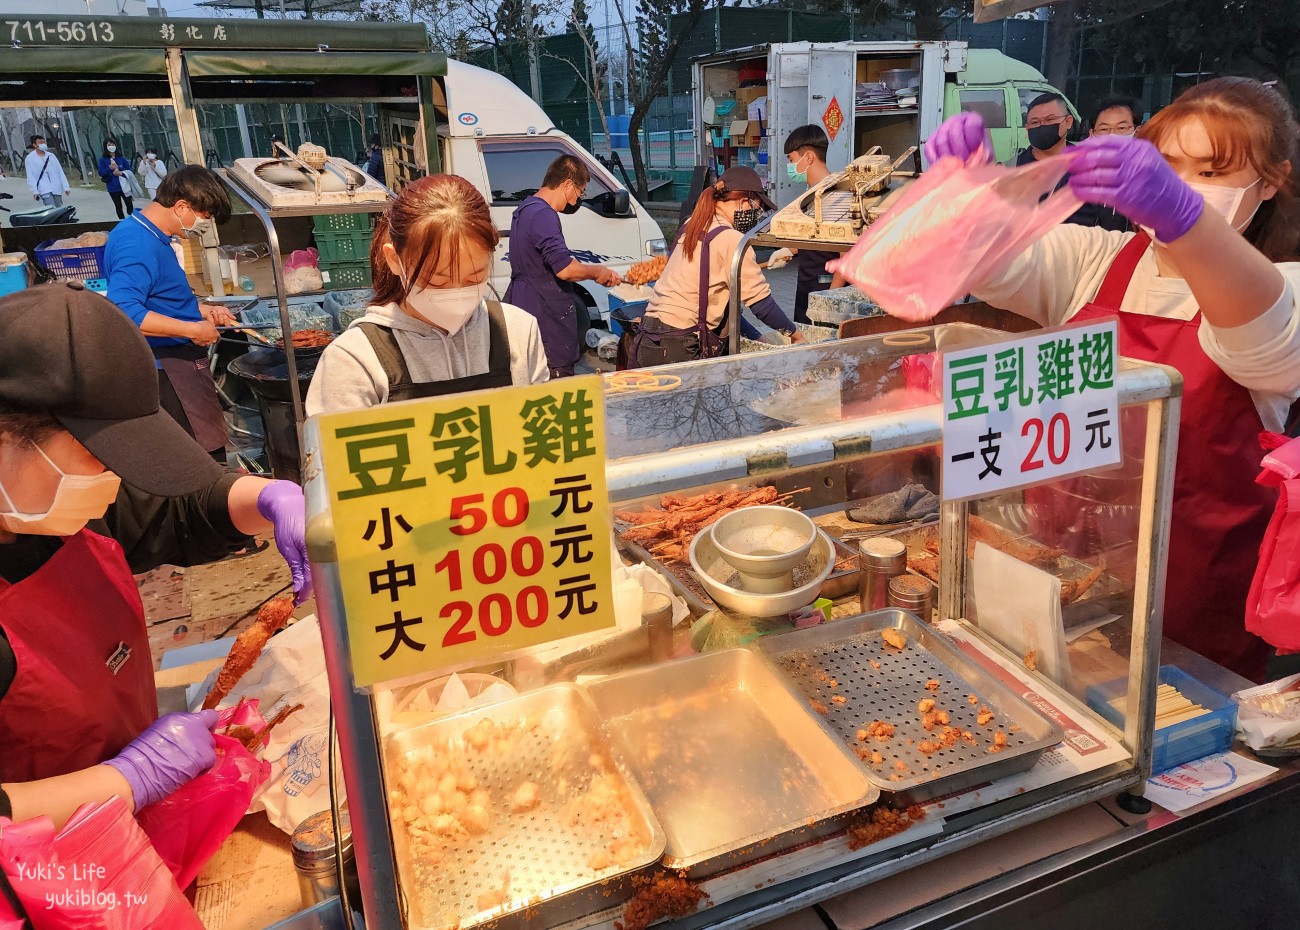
x=684, y=319
x=98, y=482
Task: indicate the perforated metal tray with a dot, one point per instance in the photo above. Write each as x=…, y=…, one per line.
x=845, y=653
x=733, y=765
x=547, y=851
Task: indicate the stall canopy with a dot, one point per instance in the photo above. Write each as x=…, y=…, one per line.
x=266, y=63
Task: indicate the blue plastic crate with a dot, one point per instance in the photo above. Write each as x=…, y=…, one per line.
x=1180, y=742
x=75, y=264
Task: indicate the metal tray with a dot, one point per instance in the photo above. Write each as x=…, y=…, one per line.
x=843, y=651
x=734, y=767
x=546, y=851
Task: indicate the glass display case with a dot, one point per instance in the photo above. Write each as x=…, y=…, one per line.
x=1050, y=593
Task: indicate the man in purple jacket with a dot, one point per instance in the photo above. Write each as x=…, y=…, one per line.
x=543, y=270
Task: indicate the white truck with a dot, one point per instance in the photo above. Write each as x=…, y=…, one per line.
x=499, y=139
x=804, y=82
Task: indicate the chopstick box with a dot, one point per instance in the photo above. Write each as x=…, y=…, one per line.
x=1183, y=740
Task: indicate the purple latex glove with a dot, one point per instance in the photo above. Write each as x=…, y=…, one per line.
x=1133, y=177
x=173, y=750
x=282, y=503
x=960, y=136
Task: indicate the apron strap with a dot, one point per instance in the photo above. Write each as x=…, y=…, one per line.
x=384, y=342
x=389, y=353
x=1115, y=285
x=498, y=340
x=704, y=277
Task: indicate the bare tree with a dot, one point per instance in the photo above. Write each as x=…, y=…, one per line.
x=590, y=76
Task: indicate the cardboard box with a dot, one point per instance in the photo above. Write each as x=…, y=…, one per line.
x=738, y=129
x=747, y=95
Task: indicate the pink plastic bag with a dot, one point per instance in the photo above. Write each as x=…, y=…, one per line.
x=98, y=873
x=1273, y=605
x=953, y=228
x=190, y=824
x=302, y=258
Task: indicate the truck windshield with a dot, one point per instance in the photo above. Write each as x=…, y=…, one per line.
x=515, y=169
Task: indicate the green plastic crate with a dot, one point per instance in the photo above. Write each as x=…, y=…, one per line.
x=346, y=245
x=339, y=275
x=337, y=222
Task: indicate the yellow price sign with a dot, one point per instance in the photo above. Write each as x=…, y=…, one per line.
x=471, y=526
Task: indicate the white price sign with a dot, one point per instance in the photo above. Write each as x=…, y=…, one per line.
x=1030, y=410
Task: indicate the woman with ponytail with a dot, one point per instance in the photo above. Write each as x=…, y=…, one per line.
x=435, y=327
x=690, y=299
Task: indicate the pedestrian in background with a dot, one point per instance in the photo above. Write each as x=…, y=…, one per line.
x=152, y=171
x=45, y=175
x=114, y=170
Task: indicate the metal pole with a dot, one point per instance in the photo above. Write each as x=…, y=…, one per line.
x=534, y=72
x=187, y=121
x=242, y=116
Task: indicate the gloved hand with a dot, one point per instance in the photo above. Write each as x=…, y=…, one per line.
x=960, y=136
x=173, y=750
x=282, y=503
x=1133, y=177
x=780, y=258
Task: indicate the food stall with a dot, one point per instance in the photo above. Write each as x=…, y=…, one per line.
x=924, y=732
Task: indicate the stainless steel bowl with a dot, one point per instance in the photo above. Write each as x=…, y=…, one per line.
x=714, y=574
x=897, y=79
x=765, y=544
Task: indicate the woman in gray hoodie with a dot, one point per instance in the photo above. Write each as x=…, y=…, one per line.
x=435, y=327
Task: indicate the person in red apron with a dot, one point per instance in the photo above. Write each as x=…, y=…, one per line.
x=434, y=328
x=1209, y=182
x=97, y=482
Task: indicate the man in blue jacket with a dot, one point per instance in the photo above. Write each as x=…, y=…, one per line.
x=148, y=283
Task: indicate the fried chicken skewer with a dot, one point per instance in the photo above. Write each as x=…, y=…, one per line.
x=248, y=646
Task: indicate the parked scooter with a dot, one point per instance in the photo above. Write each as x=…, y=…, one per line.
x=45, y=216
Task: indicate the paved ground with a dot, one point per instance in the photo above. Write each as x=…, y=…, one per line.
x=93, y=203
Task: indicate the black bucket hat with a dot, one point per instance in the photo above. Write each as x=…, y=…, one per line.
x=741, y=179
x=68, y=352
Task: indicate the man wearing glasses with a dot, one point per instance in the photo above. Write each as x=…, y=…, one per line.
x=1048, y=121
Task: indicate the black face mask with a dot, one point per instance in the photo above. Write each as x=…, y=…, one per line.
x=1044, y=137
x=745, y=220
x=571, y=208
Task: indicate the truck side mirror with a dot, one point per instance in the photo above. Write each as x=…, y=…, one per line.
x=611, y=203
x=622, y=203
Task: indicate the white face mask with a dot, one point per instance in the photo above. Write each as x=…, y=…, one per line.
x=448, y=308
x=150, y=155
x=41, y=146
x=77, y=500
x=1225, y=201
x=112, y=149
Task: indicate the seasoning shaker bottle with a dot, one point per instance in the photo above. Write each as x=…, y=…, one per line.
x=657, y=618
x=880, y=559
x=315, y=863
x=912, y=593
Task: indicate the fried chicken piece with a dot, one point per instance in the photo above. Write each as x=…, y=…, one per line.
x=972, y=699
x=665, y=894
x=927, y=565
x=875, y=664
x=880, y=731
x=984, y=716
x=927, y=747
x=1031, y=660
x=525, y=798
x=839, y=699
x=900, y=765
x=272, y=616
x=932, y=685
x=999, y=742
x=881, y=822
x=926, y=705
x=819, y=707
x=893, y=638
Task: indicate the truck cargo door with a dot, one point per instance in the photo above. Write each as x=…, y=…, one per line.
x=831, y=72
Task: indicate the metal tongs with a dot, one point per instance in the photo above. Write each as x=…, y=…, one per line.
x=314, y=173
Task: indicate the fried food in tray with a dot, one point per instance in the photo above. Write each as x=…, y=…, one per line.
x=308, y=339
x=517, y=807
x=980, y=530
x=667, y=533
x=271, y=618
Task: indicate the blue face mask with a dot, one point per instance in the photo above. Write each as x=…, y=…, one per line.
x=793, y=172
